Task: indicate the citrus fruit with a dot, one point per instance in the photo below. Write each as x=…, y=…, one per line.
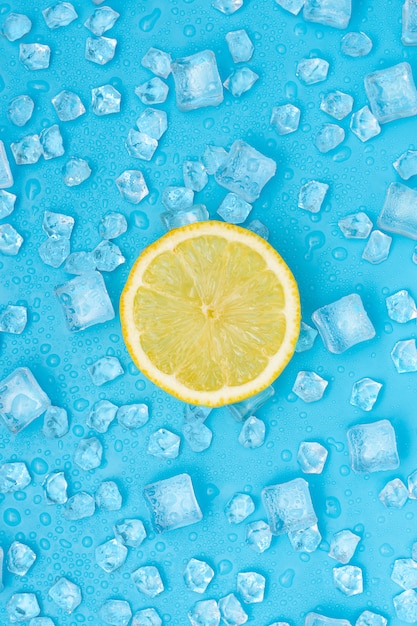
x=210, y=313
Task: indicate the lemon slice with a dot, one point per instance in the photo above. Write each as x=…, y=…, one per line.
x=210, y=313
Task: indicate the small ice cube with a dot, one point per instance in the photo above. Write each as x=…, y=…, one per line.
x=80, y=263
x=392, y=93
x=197, y=81
x=306, y=338
x=285, y=119
x=406, y=164
x=105, y=100
x=34, y=56
x=234, y=209
x=57, y=224
x=289, y=506
x=368, y=618
x=153, y=123
x=240, y=81
x=107, y=256
x=66, y=595
x=231, y=611
x=105, y=369
x=164, y=444
x=7, y=202
x=140, y=145
x=404, y=356
x=132, y=186
x=172, y=503
x=133, y=415
x=377, y=247
x=312, y=71
x=244, y=409
x=227, y=6
x=405, y=605
x=311, y=196
x=409, y=23
x=16, y=26
x=394, y=495
x=108, y=496
x=364, y=124
x=130, y=532
x=309, y=386
x=204, y=612
x=404, y=573
x=355, y=44
x=51, y=142
x=158, y=62
x=27, y=150
x=213, y=158
x=195, y=213
x=401, y=307
x=154, y=91
x=348, y=579
x=55, y=422
x=197, y=435
x=88, y=454
x=329, y=137
x=194, y=174
x=20, y=558
x=41, y=621
x=412, y=485
x=399, y=213
x=14, y=477
x=100, y=50
x=101, y=20
x=22, y=607
x=305, y=540
x=55, y=487
x=20, y=110
x=110, y=555
x=13, y=319
x=335, y=13
x=355, y=226
x=365, y=393
x=197, y=575
x=147, y=579
x=115, y=612
x=373, y=447
x=311, y=457
x=238, y=508
x=177, y=198
x=112, y=225
x=85, y=301
x=53, y=251
x=146, y=617
x=75, y=172
x=21, y=399
x=68, y=106
x=79, y=506
x=101, y=415
x=314, y=619
x=252, y=434
x=6, y=178
x=251, y=587
x=259, y=228
x=337, y=104
x=10, y=240
x=258, y=536
x=240, y=46
x=59, y=14
x=294, y=7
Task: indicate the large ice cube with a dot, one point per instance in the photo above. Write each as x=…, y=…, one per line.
x=392, y=93
x=377, y=247
x=399, y=213
x=204, y=612
x=197, y=575
x=289, y=506
x=79, y=506
x=51, y=142
x=244, y=409
x=404, y=573
x=197, y=81
x=334, y=13
x=373, y=447
x=172, y=503
x=158, y=62
x=21, y=399
x=231, y=611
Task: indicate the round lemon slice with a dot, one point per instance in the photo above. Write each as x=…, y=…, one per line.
x=210, y=313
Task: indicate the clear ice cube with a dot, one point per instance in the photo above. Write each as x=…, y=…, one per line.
x=409, y=23
x=240, y=45
x=394, y=495
x=66, y=595
x=306, y=338
x=311, y=457
x=289, y=506
x=57, y=224
x=348, y=579
x=53, y=251
x=104, y=370
x=6, y=178
x=163, y=444
x=312, y=71
x=377, y=247
x=52, y=142
x=112, y=225
x=213, y=158
x=55, y=422
x=101, y=20
x=27, y=150
x=306, y=540
x=194, y=174
x=177, y=198
x=258, y=536
x=404, y=356
x=130, y=532
x=311, y=196
x=231, y=611
x=355, y=44
x=335, y=13
x=392, y=93
x=315, y=619
x=399, y=213
x=133, y=415
x=368, y=618
x=337, y=104
x=401, y=307
x=22, y=607
x=107, y=256
x=14, y=477
x=158, y=62
x=110, y=555
x=34, y=56
x=197, y=81
x=234, y=209
x=79, y=506
x=245, y=408
x=59, y=14
x=21, y=399
x=172, y=503
x=364, y=124
x=132, y=186
x=16, y=26
x=251, y=587
x=108, y=496
x=75, y=172
x=7, y=202
x=105, y=100
x=88, y=453
x=252, y=434
x=10, y=240
x=20, y=110
x=355, y=226
x=285, y=119
x=309, y=386
x=204, y=613
x=80, y=263
x=154, y=91
x=365, y=393
x=343, y=545
x=85, y=301
x=68, y=105
x=406, y=164
x=115, y=612
x=20, y=558
x=227, y=6
x=404, y=573
x=147, y=579
x=100, y=50
x=259, y=228
x=153, y=122
x=197, y=435
x=240, y=81
x=329, y=137
x=238, y=508
x=373, y=447
x=195, y=213
x=13, y=319
x=294, y=7
x=55, y=487
x=412, y=485
x=405, y=605
x=101, y=415
x=146, y=617
x=197, y=575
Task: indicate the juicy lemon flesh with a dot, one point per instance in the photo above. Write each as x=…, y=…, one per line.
x=210, y=313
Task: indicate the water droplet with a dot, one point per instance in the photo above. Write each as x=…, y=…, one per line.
x=39, y=466
x=45, y=519
x=12, y=517
x=160, y=546
x=232, y=537
x=81, y=404
x=225, y=567
x=386, y=549
x=332, y=508
x=78, y=430
x=32, y=188
x=140, y=220
x=2, y=84
x=286, y=455
x=338, y=445
x=53, y=360
x=38, y=85
x=118, y=445
x=189, y=30
x=339, y=254
x=44, y=544
x=192, y=536
x=208, y=123
x=344, y=470
x=314, y=241
x=286, y=579
x=342, y=155
x=148, y=22
x=212, y=491
x=87, y=542
x=140, y=385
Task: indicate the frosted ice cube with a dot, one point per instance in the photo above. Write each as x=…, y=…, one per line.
x=27, y=150
x=105, y=100
x=240, y=81
x=251, y=587
x=311, y=457
x=7, y=202
x=140, y=145
x=289, y=506
x=365, y=393
x=406, y=164
x=154, y=91
x=6, y=178
x=133, y=415
x=107, y=256
x=306, y=540
x=355, y=226
x=401, y=307
x=57, y=224
x=108, y=496
x=197, y=81
x=101, y=415
x=34, y=56
x=343, y=546
x=294, y=7
x=104, y=370
x=59, y=14
x=244, y=409
x=240, y=45
x=285, y=119
x=85, y=301
x=373, y=447
x=132, y=186
x=335, y=13
x=399, y=213
x=51, y=142
x=194, y=174
x=404, y=573
x=404, y=356
x=130, y=532
x=14, y=477
x=405, y=605
x=238, y=508
x=21, y=399
x=311, y=196
x=80, y=263
x=10, y=240
x=164, y=444
x=177, y=198
x=195, y=213
x=20, y=558
x=234, y=209
x=110, y=555
x=153, y=122
x=409, y=23
x=394, y=495
x=115, y=612
x=348, y=579
x=79, y=506
x=16, y=26
x=368, y=618
x=22, y=607
x=227, y=6
x=309, y=386
x=197, y=435
x=55, y=487
x=364, y=124
x=100, y=50
x=20, y=110
x=196, y=414
x=204, y=612
x=337, y=104
x=68, y=106
x=13, y=319
x=377, y=247
x=112, y=225
x=312, y=71
x=75, y=172
x=252, y=434
x=197, y=575
x=148, y=580
x=231, y=611
x=54, y=251
x=306, y=338
x=88, y=454
x=146, y=617
x=158, y=62
x=355, y=44
x=213, y=158
x=258, y=536
x=66, y=594
x=55, y=422
x=258, y=227
x=315, y=619
x=245, y=171
x=101, y=20
x=392, y=93
x=328, y=137
x=172, y=503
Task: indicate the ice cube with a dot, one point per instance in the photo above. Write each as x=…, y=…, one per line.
x=355, y=226
x=258, y=227
x=404, y=356
x=231, y=611
x=79, y=506
x=13, y=319
x=394, y=495
x=244, y=409
x=213, y=158
x=112, y=225
x=335, y=13
x=412, y=485
x=147, y=579
x=404, y=573
x=57, y=224
x=85, y=301
x=16, y=26
x=309, y=386
x=133, y=415
x=66, y=594
x=373, y=447
x=251, y=587
x=27, y=150
x=158, y=62
x=146, y=617
x=21, y=399
x=365, y=393
x=368, y=618
x=285, y=119
x=314, y=619
x=153, y=123
x=101, y=20
x=55, y=487
x=51, y=142
x=312, y=71
x=409, y=23
x=140, y=145
x=41, y=621
x=343, y=323
x=234, y=209
x=311, y=196
x=6, y=178
x=104, y=370
x=355, y=44
x=80, y=263
x=343, y=546
x=7, y=202
x=195, y=213
x=197, y=435
x=14, y=477
x=105, y=100
x=306, y=338
x=55, y=422
x=405, y=605
x=294, y=7
x=196, y=414
x=177, y=198
x=348, y=579
x=406, y=164
x=154, y=91
x=329, y=137
x=258, y=536
x=306, y=540
x=227, y=6
x=68, y=106
x=401, y=307
x=88, y=454
x=240, y=46
x=399, y=213
x=100, y=50
x=364, y=124
x=252, y=434
x=59, y=14
x=289, y=506
x=34, y=56
x=245, y=171
x=132, y=186
x=20, y=558
x=75, y=171
x=10, y=240
x=204, y=613
x=115, y=612
x=107, y=256
x=238, y=508
x=391, y=93
x=164, y=444
x=197, y=575
x=22, y=607
x=337, y=104
x=54, y=251
x=101, y=415
x=108, y=496
x=197, y=81
x=311, y=457
x=130, y=532
x=20, y=110
x=240, y=81
x=110, y=555
x=172, y=503
x=377, y=247
x=194, y=174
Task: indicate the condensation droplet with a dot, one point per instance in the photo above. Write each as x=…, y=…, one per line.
x=286, y=579
x=332, y=508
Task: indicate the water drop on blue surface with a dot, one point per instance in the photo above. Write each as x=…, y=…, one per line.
x=148, y=22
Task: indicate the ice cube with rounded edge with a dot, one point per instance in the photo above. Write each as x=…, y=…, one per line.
x=55, y=422
x=59, y=14
x=198, y=575
x=364, y=124
x=355, y=226
x=355, y=44
x=21, y=399
x=251, y=587
x=309, y=386
x=399, y=213
x=105, y=100
x=335, y=13
x=258, y=536
x=66, y=595
x=20, y=109
x=343, y=545
x=348, y=579
x=240, y=45
x=110, y=555
x=130, y=532
x=195, y=213
x=231, y=611
x=373, y=447
x=27, y=150
x=172, y=503
x=14, y=477
x=34, y=56
x=68, y=105
x=75, y=172
x=305, y=540
x=306, y=338
x=409, y=23
x=107, y=256
x=227, y=6
x=377, y=247
x=105, y=369
x=197, y=81
x=240, y=81
x=404, y=573
x=115, y=612
x=152, y=122
x=20, y=558
x=16, y=26
x=13, y=319
x=238, y=508
x=112, y=225
x=311, y=196
x=197, y=435
x=133, y=415
x=85, y=301
x=22, y=607
x=54, y=251
x=154, y=91
x=365, y=393
x=163, y=444
x=329, y=137
x=108, y=496
x=245, y=408
x=234, y=209
x=368, y=618
x=10, y=240
x=406, y=164
x=101, y=20
x=147, y=580
x=100, y=50
x=177, y=198
x=401, y=307
x=52, y=142
x=394, y=495
x=79, y=506
x=404, y=356
x=146, y=617
x=289, y=506
x=392, y=93
x=101, y=415
x=285, y=119
x=312, y=71
x=311, y=457
x=7, y=203
x=132, y=186
x=337, y=104
x=252, y=434
x=405, y=605
x=88, y=453
x=55, y=487
x=158, y=62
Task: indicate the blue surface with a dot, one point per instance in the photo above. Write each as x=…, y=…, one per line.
x=326, y=265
